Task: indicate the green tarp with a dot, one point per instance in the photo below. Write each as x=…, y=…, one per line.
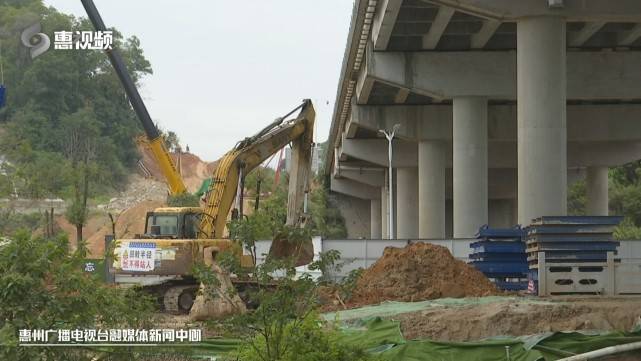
x=373, y=334
x=385, y=337
x=392, y=308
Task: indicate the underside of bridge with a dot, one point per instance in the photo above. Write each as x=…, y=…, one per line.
x=501, y=104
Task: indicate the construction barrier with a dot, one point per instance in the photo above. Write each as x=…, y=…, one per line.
x=611, y=278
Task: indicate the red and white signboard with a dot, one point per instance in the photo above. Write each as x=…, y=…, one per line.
x=138, y=257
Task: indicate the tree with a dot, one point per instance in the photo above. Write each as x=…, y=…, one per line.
x=172, y=143
x=260, y=180
x=625, y=199
x=327, y=220
x=80, y=148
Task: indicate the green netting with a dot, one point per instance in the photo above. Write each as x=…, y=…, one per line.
x=391, y=308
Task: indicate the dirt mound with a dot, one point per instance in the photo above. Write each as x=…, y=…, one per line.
x=420, y=271
x=193, y=169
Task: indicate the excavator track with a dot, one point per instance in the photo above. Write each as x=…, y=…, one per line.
x=179, y=299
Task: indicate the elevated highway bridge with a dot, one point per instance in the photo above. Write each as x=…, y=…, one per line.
x=501, y=105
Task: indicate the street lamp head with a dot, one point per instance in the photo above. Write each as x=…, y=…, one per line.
x=390, y=135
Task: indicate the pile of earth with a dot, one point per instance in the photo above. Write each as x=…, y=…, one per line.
x=420, y=271
x=192, y=169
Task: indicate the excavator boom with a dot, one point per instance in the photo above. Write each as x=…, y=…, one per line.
x=250, y=153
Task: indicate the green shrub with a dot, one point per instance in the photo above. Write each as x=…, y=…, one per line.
x=627, y=230
x=42, y=286
x=183, y=200
x=302, y=340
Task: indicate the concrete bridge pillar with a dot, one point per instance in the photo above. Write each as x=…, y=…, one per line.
x=541, y=118
x=375, y=219
x=597, y=191
x=469, y=136
x=431, y=189
x=407, y=203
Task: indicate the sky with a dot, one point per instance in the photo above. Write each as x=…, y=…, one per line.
x=223, y=69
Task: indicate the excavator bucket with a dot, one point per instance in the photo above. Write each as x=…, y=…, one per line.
x=301, y=252
x=211, y=304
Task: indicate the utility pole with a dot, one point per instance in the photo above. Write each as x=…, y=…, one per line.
x=390, y=138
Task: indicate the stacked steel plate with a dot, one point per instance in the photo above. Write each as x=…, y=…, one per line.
x=572, y=239
x=500, y=254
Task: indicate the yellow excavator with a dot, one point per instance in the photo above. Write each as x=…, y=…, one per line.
x=176, y=238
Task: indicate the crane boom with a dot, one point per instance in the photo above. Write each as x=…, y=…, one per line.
x=156, y=143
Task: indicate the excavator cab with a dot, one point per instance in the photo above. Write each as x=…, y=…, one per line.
x=172, y=223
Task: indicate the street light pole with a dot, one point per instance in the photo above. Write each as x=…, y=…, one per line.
x=390, y=138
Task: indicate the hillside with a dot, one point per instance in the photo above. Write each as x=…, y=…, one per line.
x=66, y=116
x=193, y=169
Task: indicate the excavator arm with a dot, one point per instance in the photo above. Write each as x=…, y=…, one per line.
x=250, y=153
x=156, y=142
